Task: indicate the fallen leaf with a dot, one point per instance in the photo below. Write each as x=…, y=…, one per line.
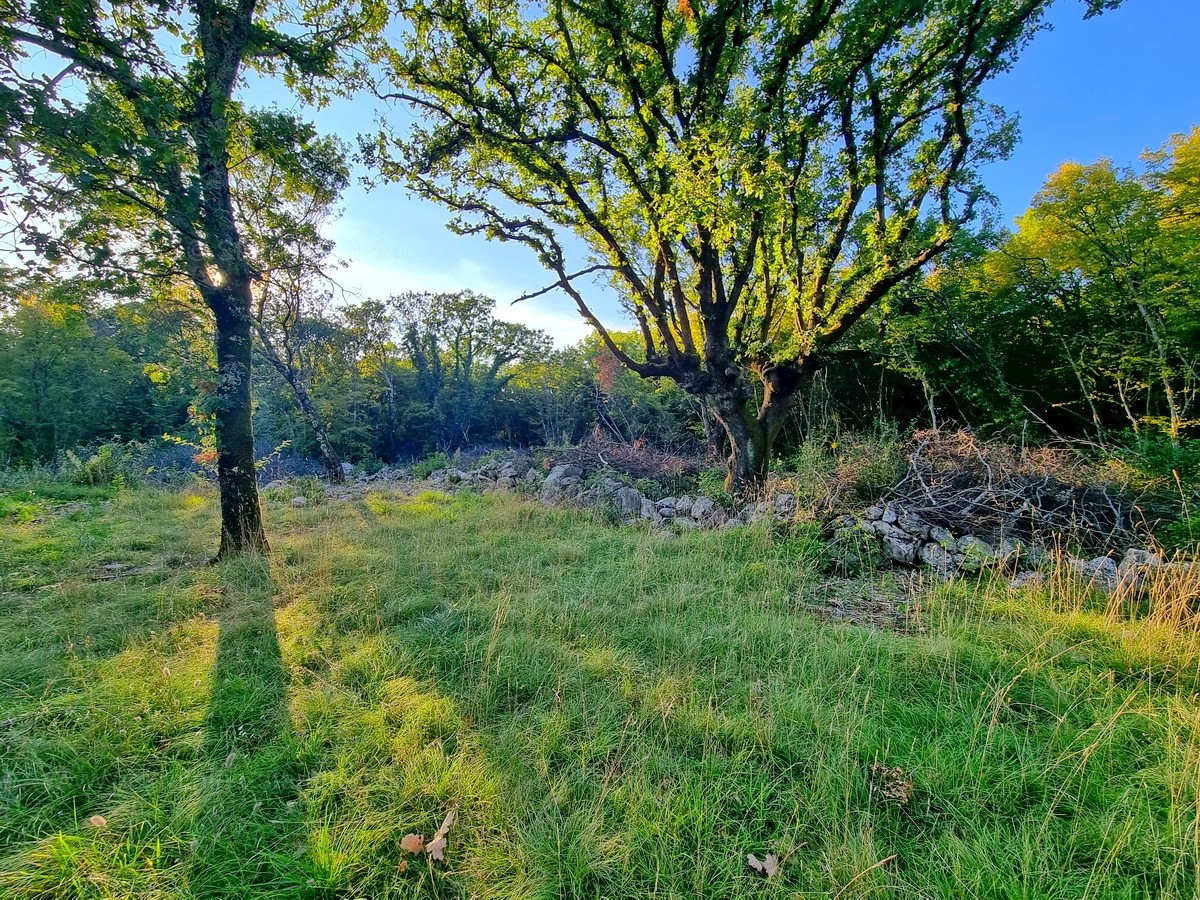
x=768, y=866
x=97, y=821
x=229, y=758
x=412, y=843
x=892, y=783
x=403, y=865
x=436, y=848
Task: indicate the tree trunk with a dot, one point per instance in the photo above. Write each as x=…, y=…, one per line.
x=751, y=432
x=749, y=446
x=241, y=516
x=333, y=463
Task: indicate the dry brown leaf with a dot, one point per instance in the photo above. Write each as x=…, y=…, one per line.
x=97, y=821
x=892, y=783
x=403, y=865
x=412, y=843
x=768, y=866
x=436, y=848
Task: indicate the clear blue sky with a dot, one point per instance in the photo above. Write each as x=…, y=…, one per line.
x=1109, y=87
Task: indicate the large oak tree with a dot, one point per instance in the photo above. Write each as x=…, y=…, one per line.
x=123, y=126
x=751, y=175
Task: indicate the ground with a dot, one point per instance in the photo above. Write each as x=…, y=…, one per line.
x=610, y=713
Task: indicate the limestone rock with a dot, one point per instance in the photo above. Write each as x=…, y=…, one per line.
x=1028, y=579
x=938, y=558
x=560, y=481
x=1100, y=572
x=899, y=550
x=784, y=506
x=975, y=553
x=650, y=511
x=702, y=509
x=627, y=500
x=941, y=536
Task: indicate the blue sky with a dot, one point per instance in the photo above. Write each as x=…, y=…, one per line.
x=1108, y=87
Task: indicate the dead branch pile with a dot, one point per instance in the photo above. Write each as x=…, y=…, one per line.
x=636, y=460
x=1042, y=496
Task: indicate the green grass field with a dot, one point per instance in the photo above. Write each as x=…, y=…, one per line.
x=612, y=715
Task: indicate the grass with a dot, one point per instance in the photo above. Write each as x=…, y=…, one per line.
x=613, y=715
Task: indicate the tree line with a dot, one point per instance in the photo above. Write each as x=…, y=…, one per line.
x=754, y=177
x=1082, y=323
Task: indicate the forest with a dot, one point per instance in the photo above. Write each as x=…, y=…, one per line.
x=854, y=551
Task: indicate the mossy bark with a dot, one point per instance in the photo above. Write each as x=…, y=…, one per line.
x=241, y=515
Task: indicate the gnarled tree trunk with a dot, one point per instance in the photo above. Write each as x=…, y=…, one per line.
x=752, y=431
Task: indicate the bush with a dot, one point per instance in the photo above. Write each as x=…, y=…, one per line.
x=116, y=464
x=430, y=464
x=1157, y=458
x=1182, y=535
x=711, y=484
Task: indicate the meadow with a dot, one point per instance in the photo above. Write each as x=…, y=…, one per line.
x=609, y=714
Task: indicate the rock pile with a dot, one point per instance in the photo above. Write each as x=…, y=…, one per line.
x=904, y=538
x=510, y=474
x=909, y=540
x=565, y=484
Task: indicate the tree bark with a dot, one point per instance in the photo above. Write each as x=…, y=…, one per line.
x=241, y=516
x=752, y=432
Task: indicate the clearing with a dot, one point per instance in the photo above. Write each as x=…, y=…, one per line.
x=611, y=714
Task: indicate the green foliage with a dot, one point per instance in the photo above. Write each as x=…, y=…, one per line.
x=425, y=467
x=1156, y=457
x=75, y=372
x=1085, y=321
x=1181, y=535
x=711, y=484
x=118, y=465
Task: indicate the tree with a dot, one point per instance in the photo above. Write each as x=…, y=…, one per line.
x=373, y=324
x=287, y=200
x=752, y=177
x=123, y=127
x=1087, y=318
x=462, y=355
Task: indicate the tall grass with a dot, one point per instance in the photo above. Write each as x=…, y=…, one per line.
x=612, y=714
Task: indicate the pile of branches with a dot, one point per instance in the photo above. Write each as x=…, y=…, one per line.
x=1041, y=496
x=636, y=459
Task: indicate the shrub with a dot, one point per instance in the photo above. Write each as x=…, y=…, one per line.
x=711, y=483
x=117, y=464
x=1157, y=458
x=430, y=464
x=1182, y=535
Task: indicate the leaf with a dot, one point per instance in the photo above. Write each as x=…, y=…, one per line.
x=97, y=821
x=768, y=866
x=412, y=843
x=436, y=848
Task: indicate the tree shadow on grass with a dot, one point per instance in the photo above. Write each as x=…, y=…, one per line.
x=246, y=828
